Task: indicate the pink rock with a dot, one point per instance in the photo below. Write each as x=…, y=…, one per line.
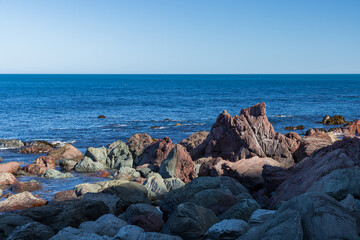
x=354, y=127
x=40, y=165
x=246, y=135
x=194, y=140
x=25, y=186
x=37, y=147
x=9, y=167
x=65, y=196
x=21, y=201
x=150, y=222
x=138, y=142
x=67, y=152
x=101, y=174
x=7, y=178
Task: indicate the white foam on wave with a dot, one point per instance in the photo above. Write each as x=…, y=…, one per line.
x=61, y=143
x=282, y=116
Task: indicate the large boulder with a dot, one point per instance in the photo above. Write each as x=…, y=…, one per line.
x=88, y=165
x=138, y=142
x=190, y=221
x=178, y=164
x=227, y=229
x=145, y=216
x=52, y=173
x=11, y=143
x=37, y=147
x=97, y=154
x=69, y=213
x=9, y=167
x=131, y=232
x=108, y=199
x=322, y=217
x=155, y=183
x=33, y=230
x=29, y=186
x=246, y=135
x=155, y=153
x=120, y=156
x=20, y=201
x=273, y=177
x=173, y=183
x=107, y=224
x=9, y=221
x=129, y=193
x=67, y=165
x=7, y=178
x=126, y=173
x=217, y=194
x=70, y=233
x=342, y=154
x=241, y=210
x=194, y=140
x=40, y=165
x=68, y=151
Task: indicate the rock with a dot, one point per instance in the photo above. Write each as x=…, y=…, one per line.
x=313, y=141
x=30, y=186
x=138, y=209
x=334, y=120
x=7, y=178
x=126, y=173
x=227, y=229
x=68, y=213
x=241, y=210
x=65, y=196
x=155, y=153
x=70, y=233
x=37, y=147
x=100, y=174
x=144, y=172
x=11, y=143
x=120, y=156
x=67, y=165
x=1, y=192
x=67, y=152
x=108, y=199
x=259, y=216
x=129, y=193
x=193, y=141
x=1, y=159
x=350, y=203
x=97, y=154
x=21, y=201
x=129, y=232
x=340, y=155
x=9, y=221
x=138, y=142
x=178, y=164
x=244, y=136
x=354, y=127
x=284, y=226
x=322, y=217
x=155, y=184
x=84, y=188
x=293, y=140
x=88, y=165
x=40, y=165
x=300, y=127
x=107, y=224
x=273, y=177
x=217, y=194
x=173, y=183
x=52, y=173
x=149, y=221
x=190, y=221
x=101, y=116
x=33, y=230
x=9, y=167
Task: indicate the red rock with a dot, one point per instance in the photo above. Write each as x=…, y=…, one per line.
x=37, y=147
x=138, y=142
x=40, y=165
x=65, y=196
x=150, y=222
x=194, y=140
x=354, y=127
x=101, y=116
x=156, y=152
x=7, y=178
x=101, y=174
x=67, y=152
x=246, y=135
x=25, y=186
x=9, y=167
x=21, y=201
x=293, y=140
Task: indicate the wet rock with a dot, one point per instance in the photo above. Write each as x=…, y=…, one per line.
x=30, y=186
x=284, y=226
x=65, y=196
x=97, y=154
x=227, y=229
x=173, y=183
x=155, y=153
x=33, y=230
x=241, y=210
x=107, y=224
x=126, y=173
x=259, y=216
x=100, y=174
x=21, y=201
x=354, y=127
x=178, y=164
x=334, y=120
x=9, y=221
x=342, y=154
x=11, y=143
x=101, y=116
x=155, y=184
x=7, y=178
x=138, y=142
x=322, y=217
x=73, y=233
x=67, y=165
x=120, y=156
x=67, y=152
x=300, y=127
x=217, y=194
x=52, y=173
x=88, y=165
x=68, y=213
x=9, y=167
x=40, y=165
x=37, y=147
x=194, y=140
x=190, y=221
x=244, y=136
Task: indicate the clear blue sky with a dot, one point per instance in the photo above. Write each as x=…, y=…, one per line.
x=179, y=36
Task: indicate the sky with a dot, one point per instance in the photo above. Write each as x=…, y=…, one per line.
x=180, y=36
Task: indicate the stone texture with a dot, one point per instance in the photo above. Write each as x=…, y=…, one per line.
x=65, y=196
x=145, y=216
x=70, y=233
x=273, y=177
x=7, y=178
x=126, y=173
x=9, y=167
x=29, y=186
x=67, y=152
x=100, y=174
x=194, y=140
x=37, y=147
x=155, y=183
x=9, y=221
x=88, y=165
x=138, y=142
x=107, y=224
x=97, y=154
x=173, y=183
x=52, y=173
x=84, y=188
x=227, y=229
x=40, y=165
x=120, y=156
x=108, y=199
x=260, y=216
x=67, y=165
x=21, y=201
x=33, y=230
x=241, y=210
x=11, y=143
x=129, y=193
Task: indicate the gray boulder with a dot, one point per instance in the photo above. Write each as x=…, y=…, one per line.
x=227, y=229
x=33, y=230
x=70, y=233
x=155, y=183
x=11, y=143
x=190, y=221
x=67, y=165
x=173, y=183
x=259, y=216
x=52, y=173
x=109, y=200
x=9, y=221
x=120, y=156
x=129, y=232
x=97, y=154
x=129, y=193
x=88, y=165
x=107, y=224
x=126, y=173
x=140, y=209
x=241, y=210
x=144, y=172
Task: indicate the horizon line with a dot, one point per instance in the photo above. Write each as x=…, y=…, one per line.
x=179, y=73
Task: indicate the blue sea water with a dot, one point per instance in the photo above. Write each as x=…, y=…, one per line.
x=65, y=107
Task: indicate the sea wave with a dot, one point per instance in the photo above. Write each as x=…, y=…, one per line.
x=282, y=116
x=61, y=143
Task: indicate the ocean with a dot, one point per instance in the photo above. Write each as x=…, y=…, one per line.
x=65, y=107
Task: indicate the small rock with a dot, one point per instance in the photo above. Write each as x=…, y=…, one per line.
x=155, y=184
x=101, y=116
x=52, y=173
x=227, y=229
x=300, y=127
x=37, y=147
x=97, y=154
x=40, y=165
x=144, y=172
x=11, y=143
x=177, y=124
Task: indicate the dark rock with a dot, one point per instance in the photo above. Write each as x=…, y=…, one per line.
x=227, y=229
x=274, y=176
x=107, y=224
x=241, y=210
x=334, y=120
x=9, y=221
x=129, y=193
x=300, y=127
x=70, y=233
x=30, y=186
x=108, y=199
x=101, y=116
x=33, y=230
x=149, y=221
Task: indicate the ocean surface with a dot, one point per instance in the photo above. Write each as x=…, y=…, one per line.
x=65, y=107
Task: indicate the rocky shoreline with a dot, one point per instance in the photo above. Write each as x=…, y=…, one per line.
x=241, y=180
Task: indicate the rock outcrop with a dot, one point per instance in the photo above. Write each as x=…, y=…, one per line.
x=193, y=141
